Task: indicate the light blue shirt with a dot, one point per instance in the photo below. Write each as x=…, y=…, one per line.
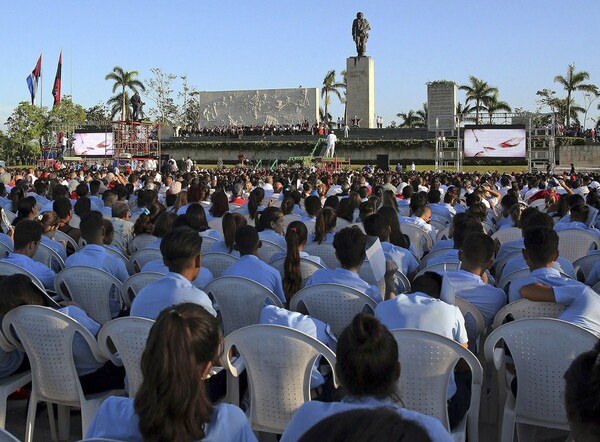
x=403, y=258
x=204, y=277
x=211, y=233
x=221, y=247
x=249, y=266
x=548, y=276
x=345, y=277
x=56, y=246
x=85, y=362
x=273, y=236
x=328, y=238
x=510, y=247
x=577, y=225
x=302, y=254
x=443, y=244
x=312, y=412
x=116, y=419
x=582, y=306
x=172, y=289
x=39, y=270
x=518, y=263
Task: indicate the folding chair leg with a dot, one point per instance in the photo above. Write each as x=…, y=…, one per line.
x=31, y=418
x=64, y=422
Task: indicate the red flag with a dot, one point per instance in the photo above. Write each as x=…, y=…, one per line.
x=57, y=82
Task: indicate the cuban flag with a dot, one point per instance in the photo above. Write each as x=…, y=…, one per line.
x=34, y=79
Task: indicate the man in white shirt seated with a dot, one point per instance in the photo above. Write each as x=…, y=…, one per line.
x=349, y=244
x=250, y=266
x=94, y=254
x=27, y=238
x=123, y=227
x=578, y=219
x=420, y=215
x=438, y=208
x=180, y=249
x=109, y=198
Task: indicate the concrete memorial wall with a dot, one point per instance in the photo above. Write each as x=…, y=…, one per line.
x=441, y=102
x=259, y=107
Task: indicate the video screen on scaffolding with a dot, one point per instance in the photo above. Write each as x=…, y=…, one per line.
x=93, y=144
x=493, y=141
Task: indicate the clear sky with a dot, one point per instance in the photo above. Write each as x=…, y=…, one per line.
x=515, y=45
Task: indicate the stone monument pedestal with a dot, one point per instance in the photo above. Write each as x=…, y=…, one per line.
x=360, y=90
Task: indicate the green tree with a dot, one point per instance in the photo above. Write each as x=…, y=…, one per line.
x=409, y=119
x=67, y=114
x=160, y=90
x=494, y=104
x=97, y=114
x=479, y=93
x=423, y=115
x=27, y=130
x=331, y=87
x=124, y=81
x=574, y=81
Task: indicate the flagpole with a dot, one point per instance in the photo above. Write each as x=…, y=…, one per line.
x=71, y=73
x=41, y=84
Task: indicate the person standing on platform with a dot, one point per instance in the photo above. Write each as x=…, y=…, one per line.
x=346, y=130
x=331, y=140
x=136, y=103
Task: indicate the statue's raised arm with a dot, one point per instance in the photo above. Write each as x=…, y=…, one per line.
x=360, y=33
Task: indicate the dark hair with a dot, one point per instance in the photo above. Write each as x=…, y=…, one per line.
x=91, y=226
x=172, y=402
x=269, y=215
x=462, y=226
x=231, y=222
x=367, y=424
x=367, y=358
x=194, y=193
x=18, y=290
x=312, y=205
x=325, y=223
x=220, y=204
x=146, y=220
x=434, y=196
x=429, y=283
x=295, y=236
x=82, y=206
x=82, y=190
x=331, y=201
x=27, y=231
x=179, y=246
x=366, y=208
x=579, y=212
x=396, y=238
x=375, y=225
x=287, y=205
x=541, y=244
x=163, y=224
x=349, y=244
x=16, y=194
x=246, y=239
x=345, y=210
x=25, y=208
x=62, y=207
x=195, y=210
x=94, y=187
x=478, y=210
x=480, y=248
x=389, y=200
x=533, y=217
x=254, y=201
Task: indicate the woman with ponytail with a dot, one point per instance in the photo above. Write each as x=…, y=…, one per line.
x=270, y=226
x=172, y=403
x=324, y=226
x=368, y=369
x=231, y=222
x=255, y=200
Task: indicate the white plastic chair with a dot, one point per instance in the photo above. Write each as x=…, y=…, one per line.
x=419, y=238
x=218, y=262
x=141, y=241
x=10, y=215
x=427, y=361
x=334, y=304
x=48, y=257
x=216, y=224
x=268, y=249
x=489, y=228
x=506, y=280
x=524, y=309
x=507, y=235
x=207, y=242
x=90, y=288
x=137, y=282
x=501, y=263
x=5, y=250
x=307, y=268
x=341, y=223
x=240, y=300
x=142, y=257
x=10, y=383
x=46, y=335
x=325, y=251
x=279, y=362
x=366, y=274
x=466, y=308
x=434, y=254
x=118, y=255
x=541, y=350
x=443, y=234
x=440, y=267
x=290, y=217
x=539, y=204
x=61, y=236
x=5, y=436
x=128, y=337
x=575, y=243
x=584, y=264
x=8, y=268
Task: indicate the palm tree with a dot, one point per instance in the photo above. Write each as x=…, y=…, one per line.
x=409, y=119
x=423, y=115
x=330, y=86
x=495, y=105
x=574, y=81
x=478, y=92
x=124, y=80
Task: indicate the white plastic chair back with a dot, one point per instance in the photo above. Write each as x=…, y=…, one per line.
x=268, y=249
x=5, y=436
x=217, y=262
x=128, y=336
x=90, y=288
x=137, y=282
x=524, y=309
x=501, y=263
x=61, y=236
x=341, y=223
x=466, y=308
x=290, y=217
x=207, y=242
x=10, y=215
x=11, y=383
x=142, y=257
x=141, y=241
x=443, y=234
x=419, y=238
x=507, y=235
x=427, y=361
x=8, y=268
x=334, y=304
x=440, y=267
x=48, y=257
x=575, y=243
x=489, y=228
x=584, y=264
x=325, y=251
x=539, y=204
x=47, y=335
x=216, y=224
x=240, y=300
x=5, y=250
x=439, y=225
x=307, y=268
x=507, y=279
x=366, y=274
x=278, y=359
x=123, y=258
x=434, y=254
x=542, y=349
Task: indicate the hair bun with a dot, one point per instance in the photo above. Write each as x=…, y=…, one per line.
x=366, y=328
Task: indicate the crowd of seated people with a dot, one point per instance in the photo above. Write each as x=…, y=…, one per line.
x=302, y=211
x=236, y=131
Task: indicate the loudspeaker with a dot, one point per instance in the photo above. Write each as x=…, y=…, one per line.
x=383, y=162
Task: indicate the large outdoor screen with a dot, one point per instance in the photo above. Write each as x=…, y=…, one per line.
x=495, y=141
x=93, y=143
